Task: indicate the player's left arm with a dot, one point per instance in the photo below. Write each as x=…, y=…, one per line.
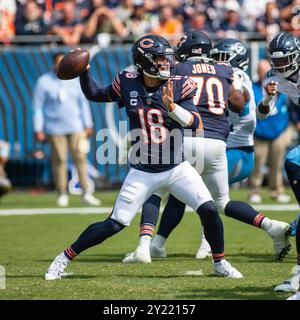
x=236, y=96
x=187, y=116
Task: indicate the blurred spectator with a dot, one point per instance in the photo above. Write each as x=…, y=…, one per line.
x=5, y=184
x=271, y=139
x=103, y=22
x=231, y=26
x=63, y=116
x=7, y=17
x=125, y=9
x=269, y=24
x=251, y=10
x=140, y=22
x=31, y=22
x=169, y=26
x=69, y=27
x=199, y=22
x=290, y=17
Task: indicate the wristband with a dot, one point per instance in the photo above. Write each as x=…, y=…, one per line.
x=181, y=115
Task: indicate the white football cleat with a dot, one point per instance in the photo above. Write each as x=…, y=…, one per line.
x=292, y=284
x=255, y=198
x=157, y=252
x=88, y=198
x=295, y=296
x=280, y=233
x=138, y=256
x=224, y=269
x=204, y=250
x=62, y=200
x=283, y=198
x=57, y=267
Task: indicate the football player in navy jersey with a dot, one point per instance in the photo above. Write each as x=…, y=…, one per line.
x=215, y=92
x=162, y=104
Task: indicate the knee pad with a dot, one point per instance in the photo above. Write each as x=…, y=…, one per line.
x=207, y=211
x=114, y=225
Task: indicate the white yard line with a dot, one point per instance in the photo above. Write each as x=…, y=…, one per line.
x=107, y=210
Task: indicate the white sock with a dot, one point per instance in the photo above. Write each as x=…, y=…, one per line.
x=64, y=257
x=266, y=224
x=159, y=241
x=144, y=242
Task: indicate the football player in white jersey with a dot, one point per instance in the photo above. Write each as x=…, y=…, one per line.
x=284, y=54
x=240, y=151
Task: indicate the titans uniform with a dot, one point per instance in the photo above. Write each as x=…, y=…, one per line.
x=240, y=151
x=148, y=114
x=213, y=81
x=293, y=91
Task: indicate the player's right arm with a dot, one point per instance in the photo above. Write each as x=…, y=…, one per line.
x=187, y=115
x=267, y=102
x=94, y=92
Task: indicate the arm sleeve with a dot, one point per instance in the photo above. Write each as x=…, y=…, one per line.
x=94, y=92
x=38, y=102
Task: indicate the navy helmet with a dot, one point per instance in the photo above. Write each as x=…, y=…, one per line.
x=284, y=52
x=233, y=52
x=153, y=56
x=193, y=44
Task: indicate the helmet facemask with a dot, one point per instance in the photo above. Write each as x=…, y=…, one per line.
x=285, y=64
x=227, y=57
x=160, y=64
x=222, y=56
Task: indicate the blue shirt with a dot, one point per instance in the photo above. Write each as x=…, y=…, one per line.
x=271, y=127
x=59, y=107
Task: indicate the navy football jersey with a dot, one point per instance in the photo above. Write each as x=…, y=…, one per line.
x=146, y=111
x=213, y=81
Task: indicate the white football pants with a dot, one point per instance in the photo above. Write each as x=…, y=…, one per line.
x=183, y=182
x=212, y=166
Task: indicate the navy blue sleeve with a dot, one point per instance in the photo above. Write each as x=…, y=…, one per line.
x=187, y=91
x=94, y=92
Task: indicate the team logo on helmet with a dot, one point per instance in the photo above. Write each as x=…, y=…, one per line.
x=182, y=41
x=239, y=48
x=147, y=43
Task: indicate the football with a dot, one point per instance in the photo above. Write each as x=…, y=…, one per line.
x=73, y=64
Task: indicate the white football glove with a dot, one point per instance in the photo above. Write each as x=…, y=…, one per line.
x=238, y=80
x=270, y=91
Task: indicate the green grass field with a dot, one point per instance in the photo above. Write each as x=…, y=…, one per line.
x=29, y=243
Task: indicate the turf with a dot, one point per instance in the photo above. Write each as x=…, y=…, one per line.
x=29, y=243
